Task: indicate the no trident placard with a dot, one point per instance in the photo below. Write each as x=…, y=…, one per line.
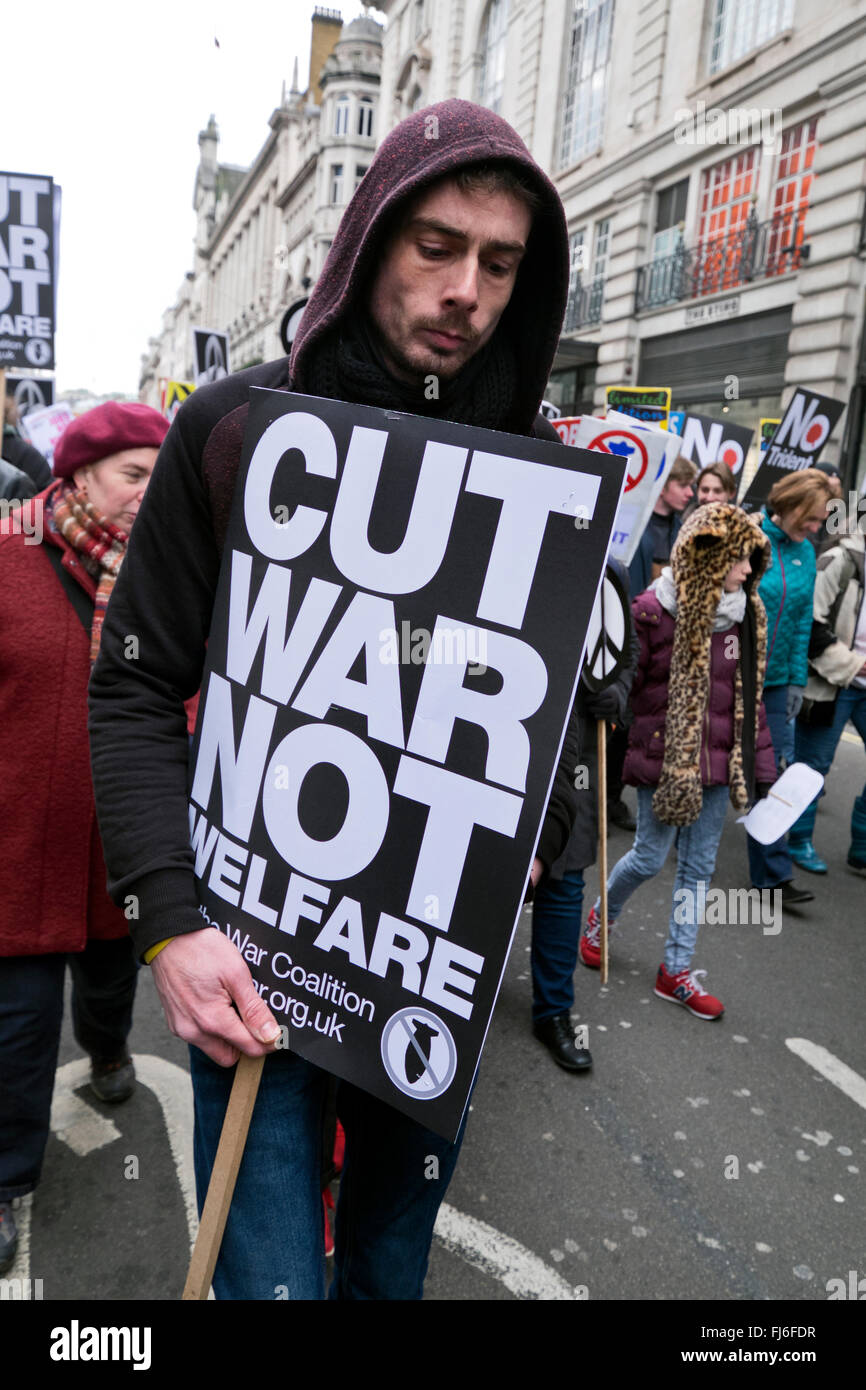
x=401, y=615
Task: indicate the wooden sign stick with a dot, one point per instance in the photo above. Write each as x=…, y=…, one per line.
x=602, y=839
x=222, y=1180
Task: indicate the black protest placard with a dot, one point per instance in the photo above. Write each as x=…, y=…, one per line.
x=30, y=392
x=28, y=260
x=399, y=622
x=706, y=440
x=797, y=442
x=211, y=355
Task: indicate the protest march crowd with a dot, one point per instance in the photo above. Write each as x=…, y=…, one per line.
x=745, y=654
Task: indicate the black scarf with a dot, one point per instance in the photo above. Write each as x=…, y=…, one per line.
x=347, y=365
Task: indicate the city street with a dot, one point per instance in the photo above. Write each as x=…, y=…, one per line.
x=616, y=1184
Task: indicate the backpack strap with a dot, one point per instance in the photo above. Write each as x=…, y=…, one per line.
x=81, y=601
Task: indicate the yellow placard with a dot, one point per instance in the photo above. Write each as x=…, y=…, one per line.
x=651, y=405
x=174, y=395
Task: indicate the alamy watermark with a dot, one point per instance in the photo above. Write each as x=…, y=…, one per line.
x=846, y=518
x=739, y=125
x=18, y=522
x=729, y=907
x=445, y=646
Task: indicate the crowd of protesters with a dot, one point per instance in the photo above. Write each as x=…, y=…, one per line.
x=702, y=721
x=746, y=654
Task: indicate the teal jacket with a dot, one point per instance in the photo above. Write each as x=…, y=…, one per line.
x=786, y=589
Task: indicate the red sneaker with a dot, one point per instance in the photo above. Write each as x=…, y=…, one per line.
x=589, y=946
x=683, y=988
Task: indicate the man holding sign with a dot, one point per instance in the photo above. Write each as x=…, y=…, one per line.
x=442, y=296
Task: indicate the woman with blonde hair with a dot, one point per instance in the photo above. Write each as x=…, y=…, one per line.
x=795, y=509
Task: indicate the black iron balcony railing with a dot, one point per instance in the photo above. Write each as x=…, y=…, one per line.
x=754, y=251
x=584, y=305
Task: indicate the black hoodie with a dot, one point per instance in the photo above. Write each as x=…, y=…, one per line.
x=165, y=591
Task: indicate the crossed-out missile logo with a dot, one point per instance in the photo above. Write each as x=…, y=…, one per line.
x=418, y=1053
x=628, y=446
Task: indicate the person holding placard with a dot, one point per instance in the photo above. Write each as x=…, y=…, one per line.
x=699, y=736
x=794, y=511
x=558, y=900
x=442, y=295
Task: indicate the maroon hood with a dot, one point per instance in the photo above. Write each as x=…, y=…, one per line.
x=407, y=160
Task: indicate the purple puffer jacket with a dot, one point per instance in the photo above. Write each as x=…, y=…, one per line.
x=649, y=702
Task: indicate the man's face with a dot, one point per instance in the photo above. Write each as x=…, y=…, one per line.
x=711, y=489
x=445, y=278
x=677, y=494
x=117, y=484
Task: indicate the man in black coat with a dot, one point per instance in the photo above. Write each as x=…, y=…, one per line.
x=450, y=266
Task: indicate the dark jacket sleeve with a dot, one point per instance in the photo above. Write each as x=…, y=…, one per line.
x=765, y=758
x=163, y=598
x=23, y=455
x=562, y=806
x=15, y=484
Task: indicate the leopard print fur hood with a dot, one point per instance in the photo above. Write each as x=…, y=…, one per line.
x=713, y=539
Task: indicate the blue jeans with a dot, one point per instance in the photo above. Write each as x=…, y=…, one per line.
x=770, y=865
x=395, y=1175
x=817, y=746
x=556, y=915
x=697, y=846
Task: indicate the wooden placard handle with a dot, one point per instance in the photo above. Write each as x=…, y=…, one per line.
x=222, y=1180
x=602, y=839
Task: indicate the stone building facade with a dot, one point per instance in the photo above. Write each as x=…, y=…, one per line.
x=262, y=234
x=710, y=155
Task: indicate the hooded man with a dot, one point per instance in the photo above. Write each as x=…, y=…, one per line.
x=442, y=295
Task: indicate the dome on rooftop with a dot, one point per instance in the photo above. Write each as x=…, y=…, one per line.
x=362, y=29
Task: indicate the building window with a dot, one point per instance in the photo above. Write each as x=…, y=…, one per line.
x=726, y=199
x=738, y=26
x=586, y=78
x=336, y=184
x=791, y=197
x=602, y=242
x=419, y=18
x=365, y=116
x=491, y=75
x=670, y=213
x=360, y=171
x=416, y=99
x=341, y=116
x=576, y=267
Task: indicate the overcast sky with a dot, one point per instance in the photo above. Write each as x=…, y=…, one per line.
x=108, y=97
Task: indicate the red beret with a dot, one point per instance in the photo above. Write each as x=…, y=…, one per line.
x=105, y=430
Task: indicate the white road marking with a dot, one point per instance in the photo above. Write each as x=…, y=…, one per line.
x=843, y=1076
x=483, y=1247
x=173, y=1089
x=74, y=1121
x=518, y=1269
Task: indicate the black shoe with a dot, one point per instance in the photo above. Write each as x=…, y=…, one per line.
x=8, y=1237
x=557, y=1034
x=792, y=896
x=619, y=814
x=112, y=1081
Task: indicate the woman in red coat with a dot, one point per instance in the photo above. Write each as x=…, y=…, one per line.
x=59, y=558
